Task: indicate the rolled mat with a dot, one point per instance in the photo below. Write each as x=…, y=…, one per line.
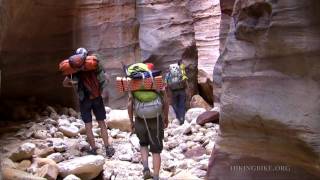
x=127, y=84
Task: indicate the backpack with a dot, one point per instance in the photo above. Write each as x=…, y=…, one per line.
x=148, y=110
x=76, y=62
x=175, y=77
x=140, y=71
x=145, y=96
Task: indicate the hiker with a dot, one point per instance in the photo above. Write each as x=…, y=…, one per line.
x=151, y=117
x=177, y=84
x=90, y=85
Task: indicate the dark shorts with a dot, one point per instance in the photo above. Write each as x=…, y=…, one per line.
x=96, y=105
x=157, y=134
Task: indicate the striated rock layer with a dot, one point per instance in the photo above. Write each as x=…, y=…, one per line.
x=206, y=16
x=166, y=35
x=270, y=93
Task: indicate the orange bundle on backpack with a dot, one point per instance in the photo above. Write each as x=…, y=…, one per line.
x=75, y=64
x=65, y=67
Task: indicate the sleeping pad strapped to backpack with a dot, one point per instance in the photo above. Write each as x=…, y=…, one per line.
x=147, y=103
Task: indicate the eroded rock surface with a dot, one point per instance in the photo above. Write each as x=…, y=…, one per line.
x=270, y=73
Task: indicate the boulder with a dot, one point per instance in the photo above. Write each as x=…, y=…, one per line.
x=119, y=119
x=50, y=172
x=205, y=85
x=193, y=113
x=195, y=152
x=86, y=167
x=208, y=117
x=134, y=140
x=69, y=131
x=63, y=122
x=15, y=174
x=56, y=157
x=25, y=151
x=73, y=113
x=71, y=177
x=41, y=134
x=198, y=102
x=24, y=165
x=44, y=152
x=8, y=163
x=43, y=161
x=184, y=174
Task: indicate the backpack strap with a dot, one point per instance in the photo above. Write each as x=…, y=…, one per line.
x=147, y=127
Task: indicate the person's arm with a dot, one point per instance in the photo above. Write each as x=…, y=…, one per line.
x=130, y=112
x=165, y=109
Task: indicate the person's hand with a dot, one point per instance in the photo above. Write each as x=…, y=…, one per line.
x=67, y=82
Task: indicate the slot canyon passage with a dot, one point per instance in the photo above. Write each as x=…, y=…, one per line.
x=255, y=63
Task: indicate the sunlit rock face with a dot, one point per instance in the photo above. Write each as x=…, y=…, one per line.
x=110, y=29
x=206, y=15
x=270, y=92
x=166, y=35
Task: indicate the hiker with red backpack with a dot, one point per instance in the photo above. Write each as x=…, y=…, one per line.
x=149, y=108
x=177, y=83
x=86, y=74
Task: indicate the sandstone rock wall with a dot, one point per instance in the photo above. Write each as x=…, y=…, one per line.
x=226, y=7
x=270, y=92
x=206, y=16
x=37, y=35
x=34, y=36
x=166, y=35
x=109, y=28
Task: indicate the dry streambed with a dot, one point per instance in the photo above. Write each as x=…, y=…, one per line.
x=53, y=148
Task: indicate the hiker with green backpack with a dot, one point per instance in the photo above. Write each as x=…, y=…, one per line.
x=150, y=109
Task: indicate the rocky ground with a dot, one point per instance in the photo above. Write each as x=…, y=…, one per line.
x=53, y=148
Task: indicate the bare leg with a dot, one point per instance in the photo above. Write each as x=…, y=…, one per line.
x=144, y=155
x=90, y=136
x=156, y=164
x=104, y=132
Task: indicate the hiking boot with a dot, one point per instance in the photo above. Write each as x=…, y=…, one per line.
x=109, y=151
x=146, y=174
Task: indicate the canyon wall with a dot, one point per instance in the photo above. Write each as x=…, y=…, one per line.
x=37, y=35
x=270, y=93
x=110, y=29
x=206, y=21
x=167, y=35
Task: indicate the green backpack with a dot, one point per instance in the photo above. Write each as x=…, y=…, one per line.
x=137, y=67
x=145, y=96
